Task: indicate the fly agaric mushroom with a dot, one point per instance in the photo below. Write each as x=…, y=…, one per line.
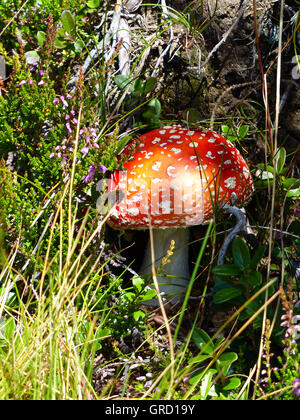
x=175, y=179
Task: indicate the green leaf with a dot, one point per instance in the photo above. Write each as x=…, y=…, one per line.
x=254, y=278
x=207, y=383
x=203, y=341
x=228, y=357
x=122, y=143
x=137, y=88
x=139, y=315
x=265, y=175
x=93, y=4
x=191, y=115
x=225, y=361
x=290, y=182
x=243, y=131
x=227, y=294
x=150, y=294
x=103, y=333
x=153, y=109
x=61, y=40
x=78, y=45
x=41, y=36
x=231, y=383
x=226, y=270
x=199, y=359
x=241, y=254
x=68, y=23
x=207, y=378
x=149, y=85
x=226, y=129
x=138, y=283
x=294, y=193
x=122, y=81
x=258, y=254
x=280, y=160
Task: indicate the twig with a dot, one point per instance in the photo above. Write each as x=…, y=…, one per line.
x=13, y=18
x=241, y=226
x=165, y=16
x=226, y=35
x=220, y=98
x=123, y=37
x=132, y=5
x=109, y=39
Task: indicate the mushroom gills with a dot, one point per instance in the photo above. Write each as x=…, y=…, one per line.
x=175, y=276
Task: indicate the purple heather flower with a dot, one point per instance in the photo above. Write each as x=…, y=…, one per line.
x=41, y=72
x=69, y=96
x=90, y=176
x=85, y=150
x=55, y=100
x=148, y=384
x=63, y=101
x=68, y=127
x=102, y=169
x=296, y=387
x=30, y=81
x=67, y=117
x=41, y=83
x=22, y=82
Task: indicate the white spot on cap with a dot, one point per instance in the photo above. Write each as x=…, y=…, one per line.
x=162, y=131
x=211, y=140
x=176, y=151
x=193, y=144
x=175, y=136
x=157, y=139
x=230, y=182
x=227, y=162
x=147, y=154
x=156, y=166
x=246, y=172
x=209, y=155
x=156, y=180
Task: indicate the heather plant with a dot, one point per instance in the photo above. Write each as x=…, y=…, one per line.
x=280, y=374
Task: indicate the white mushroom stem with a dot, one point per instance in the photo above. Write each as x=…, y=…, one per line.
x=175, y=278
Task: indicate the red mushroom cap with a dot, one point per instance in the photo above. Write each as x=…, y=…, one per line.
x=177, y=177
